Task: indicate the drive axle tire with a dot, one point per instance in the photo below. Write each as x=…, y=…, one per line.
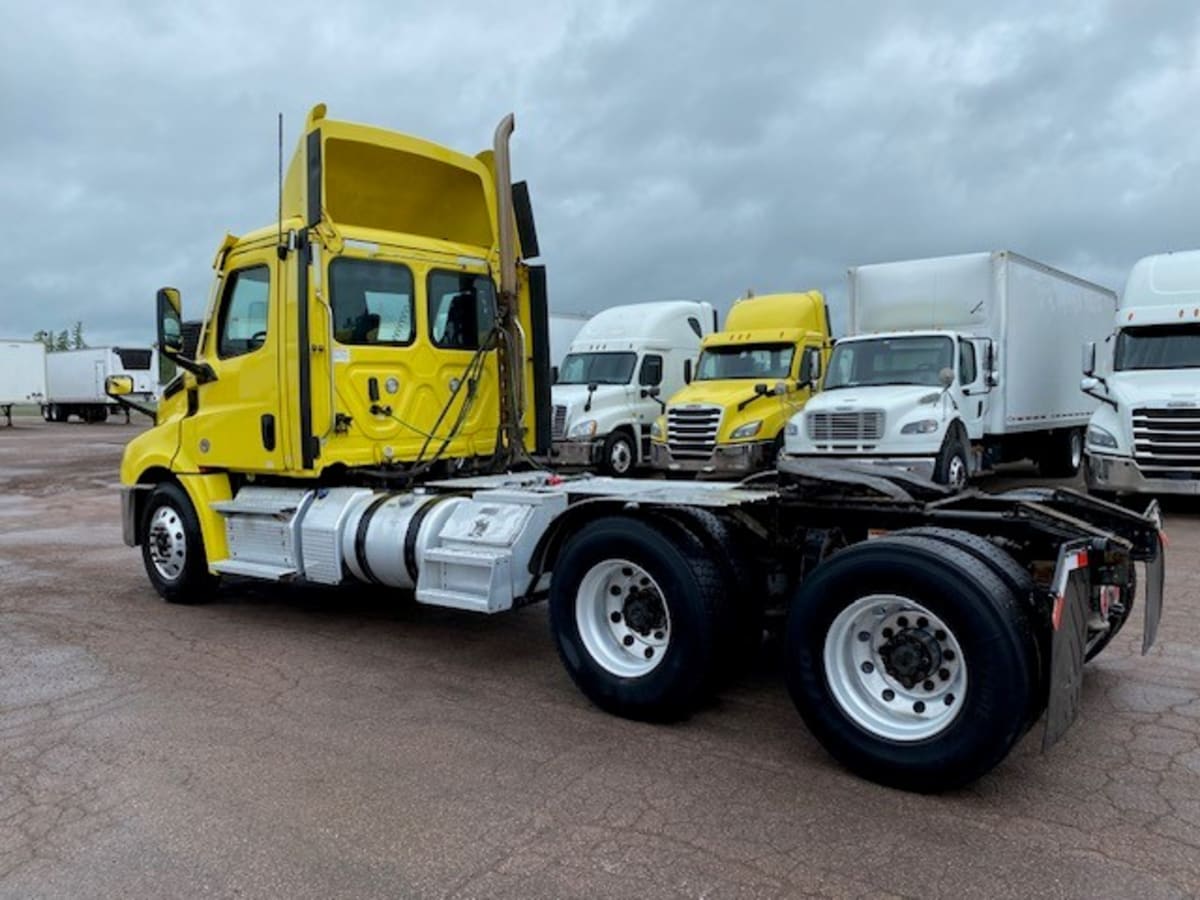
x=618, y=455
x=912, y=662
x=633, y=612
x=173, y=548
x=1063, y=455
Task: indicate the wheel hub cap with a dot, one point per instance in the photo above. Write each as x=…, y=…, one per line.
x=167, y=544
x=622, y=618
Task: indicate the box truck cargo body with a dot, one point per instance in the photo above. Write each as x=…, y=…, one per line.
x=1144, y=436
x=955, y=364
x=75, y=380
x=22, y=375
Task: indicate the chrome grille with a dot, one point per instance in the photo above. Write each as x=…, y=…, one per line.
x=558, y=422
x=1166, y=441
x=844, y=430
x=692, y=430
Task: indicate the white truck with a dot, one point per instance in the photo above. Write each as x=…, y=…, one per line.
x=75, y=380
x=955, y=364
x=22, y=374
x=609, y=387
x=1144, y=437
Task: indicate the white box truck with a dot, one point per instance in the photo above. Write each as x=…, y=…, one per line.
x=1144, y=437
x=22, y=375
x=611, y=383
x=955, y=364
x=75, y=380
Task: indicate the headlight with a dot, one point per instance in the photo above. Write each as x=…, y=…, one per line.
x=750, y=429
x=656, y=430
x=792, y=429
x=586, y=428
x=1099, y=437
x=921, y=426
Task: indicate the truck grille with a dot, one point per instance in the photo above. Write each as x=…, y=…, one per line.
x=858, y=430
x=692, y=430
x=558, y=423
x=1166, y=442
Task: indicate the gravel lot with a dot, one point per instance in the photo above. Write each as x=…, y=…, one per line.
x=318, y=743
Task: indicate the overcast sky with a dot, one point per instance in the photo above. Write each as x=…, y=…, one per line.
x=674, y=149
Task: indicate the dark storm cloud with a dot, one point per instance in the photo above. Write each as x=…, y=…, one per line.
x=674, y=149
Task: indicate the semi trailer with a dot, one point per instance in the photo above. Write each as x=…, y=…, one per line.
x=367, y=405
x=955, y=364
x=22, y=375
x=75, y=380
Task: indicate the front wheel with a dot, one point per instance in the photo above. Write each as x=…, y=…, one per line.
x=951, y=467
x=1063, y=456
x=617, y=456
x=632, y=609
x=173, y=547
x=910, y=660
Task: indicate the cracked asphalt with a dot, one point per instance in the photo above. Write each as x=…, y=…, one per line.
x=321, y=743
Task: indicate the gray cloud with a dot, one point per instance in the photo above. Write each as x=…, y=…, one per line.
x=674, y=149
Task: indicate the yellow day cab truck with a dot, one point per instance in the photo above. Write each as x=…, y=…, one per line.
x=751, y=377
x=369, y=394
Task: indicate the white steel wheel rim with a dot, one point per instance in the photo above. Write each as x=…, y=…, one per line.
x=622, y=618
x=870, y=668
x=167, y=542
x=1076, y=449
x=956, y=472
x=620, y=457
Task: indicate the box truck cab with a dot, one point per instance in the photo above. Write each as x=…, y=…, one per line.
x=1144, y=437
x=610, y=385
x=750, y=379
x=955, y=364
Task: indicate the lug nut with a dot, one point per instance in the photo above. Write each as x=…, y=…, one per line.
x=902, y=621
x=948, y=655
x=939, y=635
x=887, y=632
x=627, y=572
x=919, y=707
x=616, y=617
x=659, y=635
x=949, y=699
x=615, y=591
x=944, y=674
x=644, y=582
x=889, y=695
x=928, y=685
x=628, y=640
x=649, y=652
x=868, y=667
x=864, y=635
x=922, y=622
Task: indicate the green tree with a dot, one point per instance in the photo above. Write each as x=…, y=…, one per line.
x=63, y=341
x=77, y=341
x=45, y=337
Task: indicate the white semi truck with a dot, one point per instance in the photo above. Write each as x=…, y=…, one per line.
x=22, y=375
x=75, y=380
x=610, y=385
x=1144, y=437
x=955, y=364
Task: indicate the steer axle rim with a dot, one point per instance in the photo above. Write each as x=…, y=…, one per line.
x=895, y=668
x=622, y=617
x=167, y=543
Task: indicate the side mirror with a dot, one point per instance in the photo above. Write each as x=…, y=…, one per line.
x=781, y=388
x=814, y=366
x=687, y=371
x=1089, y=358
x=993, y=378
x=554, y=374
x=761, y=390
x=946, y=376
x=653, y=391
x=118, y=385
x=170, y=322
x=1088, y=384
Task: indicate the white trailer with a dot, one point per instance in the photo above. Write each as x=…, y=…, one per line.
x=22, y=374
x=957, y=363
x=609, y=386
x=75, y=380
x=563, y=328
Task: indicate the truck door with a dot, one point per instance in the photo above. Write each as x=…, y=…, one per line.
x=973, y=399
x=646, y=408
x=236, y=425
x=98, y=375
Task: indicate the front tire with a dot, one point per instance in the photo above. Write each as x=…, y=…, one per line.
x=632, y=610
x=618, y=455
x=1063, y=456
x=173, y=547
x=910, y=660
x=951, y=467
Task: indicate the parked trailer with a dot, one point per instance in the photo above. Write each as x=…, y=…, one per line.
x=75, y=380
x=22, y=375
x=302, y=446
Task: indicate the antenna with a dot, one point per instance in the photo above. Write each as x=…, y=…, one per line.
x=279, y=156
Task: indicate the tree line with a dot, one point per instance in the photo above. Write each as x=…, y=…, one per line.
x=62, y=340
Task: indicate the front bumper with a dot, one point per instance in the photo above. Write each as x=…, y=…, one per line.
x=1121, y=474
x=727, y=459
x=921, y=466
x=575, y=452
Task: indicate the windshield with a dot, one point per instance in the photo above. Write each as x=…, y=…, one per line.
x=745, y=361
x=596, y=368
x=900, y=360
x=1158, y=347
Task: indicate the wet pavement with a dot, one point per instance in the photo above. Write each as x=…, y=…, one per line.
x=320, y=743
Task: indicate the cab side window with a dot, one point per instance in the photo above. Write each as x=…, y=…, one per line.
x=651, y=371
x=462, y=309
x=806, y=364
x=966, y=363
x=242, y=322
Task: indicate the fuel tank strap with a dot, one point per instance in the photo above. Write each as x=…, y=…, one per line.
x=414, y=530
x=360, y=537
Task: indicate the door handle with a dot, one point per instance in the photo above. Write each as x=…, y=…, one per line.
x=267, y=424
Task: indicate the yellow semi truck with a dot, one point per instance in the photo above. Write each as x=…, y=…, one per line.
x=366, y=404
x=751, y=378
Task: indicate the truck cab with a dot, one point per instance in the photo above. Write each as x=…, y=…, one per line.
x=610, y=384
x=1144, y=437
x=896, y=398
x=750, y=379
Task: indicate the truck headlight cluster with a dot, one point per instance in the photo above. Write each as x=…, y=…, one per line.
x=750, y=429
x=586, y=428
x=1100, y=437
x=921, y=426
x=656, y=430
x=792, y=429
